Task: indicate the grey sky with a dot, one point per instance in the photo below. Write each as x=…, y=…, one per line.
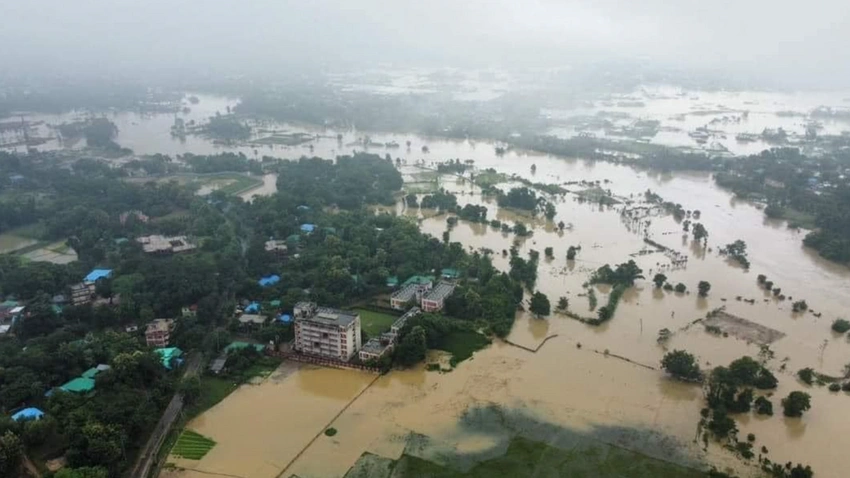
x=804, y=40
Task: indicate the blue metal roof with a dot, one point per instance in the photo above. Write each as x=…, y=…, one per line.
x=285, y=318
x=98, y=274
x=28, y=414
x=308, y=227
x=269, y=280
x=252, y=308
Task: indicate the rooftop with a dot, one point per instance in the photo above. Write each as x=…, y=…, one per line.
x=440, y=292
x=167, y=354
x=242, y=345
x=308, y=228
x=28, y=414
x=79, y=385
x=406, y=293
x=269, y=280
x=97, y=274
x=158, y=243
x=324, y=315
x=399, y=323
x=419, y=280
x=252, y=319
x=374, y=346
x=160, y=325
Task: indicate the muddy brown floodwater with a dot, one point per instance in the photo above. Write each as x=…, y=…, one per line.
x=261, y=429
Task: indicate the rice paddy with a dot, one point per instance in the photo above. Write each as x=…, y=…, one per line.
x=192, y=446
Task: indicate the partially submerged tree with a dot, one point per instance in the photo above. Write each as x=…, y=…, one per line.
x=539, y=304
x=681, y=365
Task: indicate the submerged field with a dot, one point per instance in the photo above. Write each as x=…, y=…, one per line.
x=527, y=458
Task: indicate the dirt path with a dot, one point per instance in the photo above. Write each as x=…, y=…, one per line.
x=30, y=467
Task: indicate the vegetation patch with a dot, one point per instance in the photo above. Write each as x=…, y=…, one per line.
x=462, y=344
x=374, y=323
x=526, y=457
x=330, y=432
x=192, y=445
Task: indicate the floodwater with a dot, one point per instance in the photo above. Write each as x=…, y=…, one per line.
x=261, y=429
x=590, y=390
x=268, y=188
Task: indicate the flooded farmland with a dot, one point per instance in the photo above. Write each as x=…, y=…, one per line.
x=591, y=391
x=275, y=428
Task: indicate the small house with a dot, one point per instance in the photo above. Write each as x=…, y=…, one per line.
x=28, y=414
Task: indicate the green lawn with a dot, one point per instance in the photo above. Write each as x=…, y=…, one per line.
x=192, y=445
x=526, y=458
x=374, y=323
x=462, y=344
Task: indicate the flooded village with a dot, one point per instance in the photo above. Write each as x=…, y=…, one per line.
x=553, y=379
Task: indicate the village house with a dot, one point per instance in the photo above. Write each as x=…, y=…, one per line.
x=277, y=247
x=158, y=332
x=435, y=299
x=157, y=244
x=139, y=215
x=326, y=332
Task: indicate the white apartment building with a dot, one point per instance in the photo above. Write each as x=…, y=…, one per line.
x=326, y=332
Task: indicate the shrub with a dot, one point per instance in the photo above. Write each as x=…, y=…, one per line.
x=806, y=375
x=834, y=387
x=763, y=406
x=841, y=325
x=846, y=386
x=330, y=432
x=681, y=288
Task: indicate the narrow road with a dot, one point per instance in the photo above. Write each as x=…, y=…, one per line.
x=147, y=457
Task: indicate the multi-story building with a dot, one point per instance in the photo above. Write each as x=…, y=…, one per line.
x=435, y=299
x=411, y=291
x=158, y=332
x=377, y=347
x=326, y=332
x=82, y=293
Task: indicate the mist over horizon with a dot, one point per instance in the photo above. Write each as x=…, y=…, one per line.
x=751, y=42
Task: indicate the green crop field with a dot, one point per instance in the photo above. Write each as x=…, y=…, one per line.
x=192, y=445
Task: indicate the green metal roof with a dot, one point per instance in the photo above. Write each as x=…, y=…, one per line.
x=91, y=373
x=275, y=303
x=79, y=385
x=419, y=280
x=167, y=354
x=241, y=345
x=392, y=281
x=450, y=273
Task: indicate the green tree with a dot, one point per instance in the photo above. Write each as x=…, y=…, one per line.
x=659, y=280
x=540, y=304
x=563, y=303
x=764, y=406
x=571, y=253
x=83, y=472
x=412, y=347
x=681, y=288
x=548, y=252
x=806, y=375
x=841, y=325
x=681, y=365
x=11, y=454
x=703, y=288
x=796, y=403
x=700, y=233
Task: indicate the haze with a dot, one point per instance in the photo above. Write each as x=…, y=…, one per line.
x=768, y=40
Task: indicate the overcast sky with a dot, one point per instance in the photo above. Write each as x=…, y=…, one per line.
x=806, y=40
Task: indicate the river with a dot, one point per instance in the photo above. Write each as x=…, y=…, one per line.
x=260, y=429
